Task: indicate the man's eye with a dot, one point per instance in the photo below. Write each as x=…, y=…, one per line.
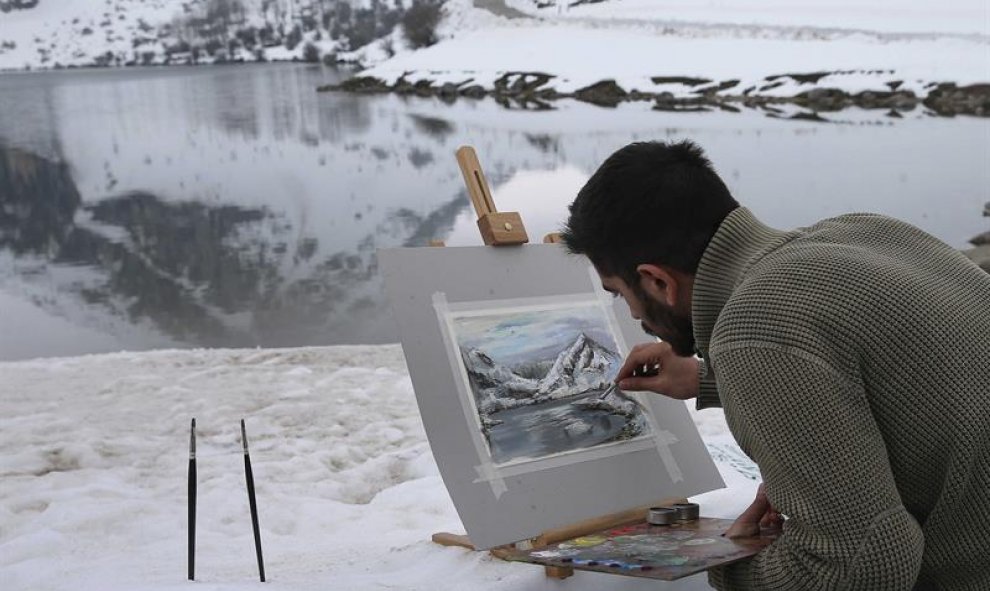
x=616, y=294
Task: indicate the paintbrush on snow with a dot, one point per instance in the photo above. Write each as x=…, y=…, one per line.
x=249, y=477
x=192, y=501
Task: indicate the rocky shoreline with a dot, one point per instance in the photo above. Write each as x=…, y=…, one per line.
x=533, y=91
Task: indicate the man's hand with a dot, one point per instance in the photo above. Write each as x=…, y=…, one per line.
x=759, y=515
x=678, y=377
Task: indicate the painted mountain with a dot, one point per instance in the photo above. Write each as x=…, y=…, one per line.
x=543, y=407
x=582, y=366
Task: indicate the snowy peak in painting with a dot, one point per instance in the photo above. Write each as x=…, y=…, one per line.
x=583, y=366
x=497, y=383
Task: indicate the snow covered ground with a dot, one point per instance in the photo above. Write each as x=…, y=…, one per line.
x=93, y=457
x=863, y=47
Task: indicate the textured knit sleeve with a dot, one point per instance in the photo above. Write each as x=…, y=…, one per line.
x=825, y=466
x=707, y=393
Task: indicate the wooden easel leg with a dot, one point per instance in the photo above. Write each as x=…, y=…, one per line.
x=448, y=539
x=558, y=572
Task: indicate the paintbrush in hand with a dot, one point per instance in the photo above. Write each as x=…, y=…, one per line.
x=644, y=371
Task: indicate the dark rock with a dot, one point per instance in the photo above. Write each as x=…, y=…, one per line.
x=980, y=239
x=685, y=80
x=823, y=99
x=358, y=84
x=986, y=209
x=809, y=117
x=475, y=91
x=874, y=99
x=424, y=88
x=605, y=94
x=403, y=86
x=895, y=84
x=949, y=99
x=716, y=88
x=448, y=90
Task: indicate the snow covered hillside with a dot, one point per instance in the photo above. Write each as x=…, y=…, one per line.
x=59, y=33
x=888, y=16
x=827, y=54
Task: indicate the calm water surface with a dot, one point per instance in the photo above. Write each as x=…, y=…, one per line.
x=235, y=206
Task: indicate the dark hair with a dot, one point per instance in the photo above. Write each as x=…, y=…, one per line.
x=650, y=202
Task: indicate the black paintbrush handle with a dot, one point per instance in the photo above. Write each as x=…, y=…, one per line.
x=249, y=477
x=192, y=501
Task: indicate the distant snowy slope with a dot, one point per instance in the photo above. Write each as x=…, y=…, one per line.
x=65, y=31
x=58, y=33
x=739, y=48
x=889, y=16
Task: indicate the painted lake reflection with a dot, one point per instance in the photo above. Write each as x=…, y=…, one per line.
x=538, y=430
x=235, y=206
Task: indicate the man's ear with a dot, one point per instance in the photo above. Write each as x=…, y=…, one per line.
x=658, y=283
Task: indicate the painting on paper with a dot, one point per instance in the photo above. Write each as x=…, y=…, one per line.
x=539, y=377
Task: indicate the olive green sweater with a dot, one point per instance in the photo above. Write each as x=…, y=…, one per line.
x=852, y=359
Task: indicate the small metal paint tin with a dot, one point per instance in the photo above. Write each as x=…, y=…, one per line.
x=686, y=511
x=661, y=516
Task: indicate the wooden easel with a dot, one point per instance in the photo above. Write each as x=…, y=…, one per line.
x=506, y=229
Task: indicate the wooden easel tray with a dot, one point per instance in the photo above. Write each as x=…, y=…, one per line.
x=667, y=552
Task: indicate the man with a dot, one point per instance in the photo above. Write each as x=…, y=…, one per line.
x=852, y=360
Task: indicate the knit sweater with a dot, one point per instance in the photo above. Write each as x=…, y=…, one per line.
x=852, y=359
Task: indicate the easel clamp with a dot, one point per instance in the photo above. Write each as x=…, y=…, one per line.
x=497, y=228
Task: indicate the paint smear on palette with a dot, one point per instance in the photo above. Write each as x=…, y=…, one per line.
x=587, y=541
x=659, y=552
x=699, y=542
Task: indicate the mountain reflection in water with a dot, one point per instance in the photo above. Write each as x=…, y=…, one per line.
x=236, y=206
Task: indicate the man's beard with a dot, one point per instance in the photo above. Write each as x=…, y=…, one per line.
x=674, y=328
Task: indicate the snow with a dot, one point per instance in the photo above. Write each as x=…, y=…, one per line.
x=94, y=458
x=631, y=42
x=891, y=16
x=77, y=32
x=59, y=28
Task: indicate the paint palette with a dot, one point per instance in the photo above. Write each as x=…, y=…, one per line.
x=666, y=552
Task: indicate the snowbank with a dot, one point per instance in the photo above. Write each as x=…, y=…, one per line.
x=94, y=471
x=652, y=48
x=889, y=16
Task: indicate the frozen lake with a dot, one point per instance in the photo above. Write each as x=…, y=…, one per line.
x=237, y=207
